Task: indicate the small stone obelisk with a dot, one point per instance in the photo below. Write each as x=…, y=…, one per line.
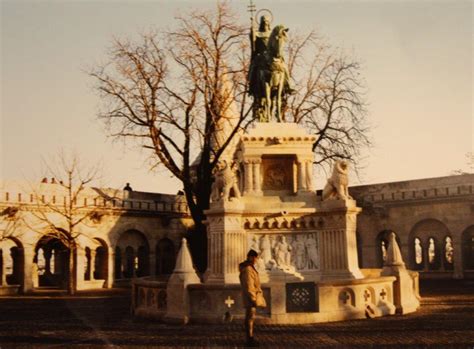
x=404, y=297
x=178, y=305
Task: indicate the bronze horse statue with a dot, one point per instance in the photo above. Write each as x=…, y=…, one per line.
x=274, y=76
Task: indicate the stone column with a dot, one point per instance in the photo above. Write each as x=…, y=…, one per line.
x=4, y=271
x=80, y=267
x=257, y=180
x=92, y=268
x=309, y=175
x=301, y=175
x=248, y=177
x=458, y=272
x=110, y=268
x=28, y=254
x=152, y=262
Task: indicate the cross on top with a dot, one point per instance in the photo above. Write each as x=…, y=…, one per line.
x=251, y=9
x=383, y=294
x=229, y=301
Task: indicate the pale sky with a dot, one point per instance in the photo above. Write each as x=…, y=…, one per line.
x=417, y=61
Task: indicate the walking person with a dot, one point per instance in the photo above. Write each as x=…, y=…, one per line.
x=252, y=294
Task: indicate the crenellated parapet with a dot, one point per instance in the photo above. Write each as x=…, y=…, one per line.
x=115, y=202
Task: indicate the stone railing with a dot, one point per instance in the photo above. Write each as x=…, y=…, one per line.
x=416, y=194
x=8, y=198
x=149, y=298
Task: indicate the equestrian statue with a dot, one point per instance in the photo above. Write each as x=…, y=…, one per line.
x=269, y=79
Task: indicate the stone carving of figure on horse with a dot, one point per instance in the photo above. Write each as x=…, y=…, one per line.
x=269, y=79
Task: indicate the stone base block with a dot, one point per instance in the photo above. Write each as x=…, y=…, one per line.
x=230, y=278
x=289, y=301
x=9, y=290
x=90, y=285
x=342, y=275
x=405, y=289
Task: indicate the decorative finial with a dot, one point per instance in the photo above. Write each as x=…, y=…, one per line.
x=251, y=9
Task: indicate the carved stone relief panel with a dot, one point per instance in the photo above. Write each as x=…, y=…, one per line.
x=286, y=251
x=277, y=173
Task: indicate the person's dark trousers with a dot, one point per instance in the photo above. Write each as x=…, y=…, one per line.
x=250, y=314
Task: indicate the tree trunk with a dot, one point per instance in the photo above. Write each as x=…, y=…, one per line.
x=198, y=244
x=71, y=287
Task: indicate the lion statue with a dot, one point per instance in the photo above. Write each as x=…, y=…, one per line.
x=336, y=187
x=224, y=180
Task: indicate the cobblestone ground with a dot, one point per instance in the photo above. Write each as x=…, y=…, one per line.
x=102, y=320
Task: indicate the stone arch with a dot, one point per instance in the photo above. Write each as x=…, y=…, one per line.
x=431, y=234
x=52, y=262
x=119, y=231
x=165, y=257
x=468, y=248
x=11, y=262
x=381, y=245
x=346, y=297
x=101, y=261
x=134, y=248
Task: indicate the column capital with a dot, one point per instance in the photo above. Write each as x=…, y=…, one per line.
x=252, y=160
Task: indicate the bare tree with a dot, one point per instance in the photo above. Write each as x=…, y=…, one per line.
x=172, y=91
x=168, y=91
x=330, y=99
x=470, y=165
x=59, y=217
x=10, y=219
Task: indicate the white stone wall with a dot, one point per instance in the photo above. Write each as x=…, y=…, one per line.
x=150, y=217
x=438, y=208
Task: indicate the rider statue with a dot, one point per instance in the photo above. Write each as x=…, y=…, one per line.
x=269, y=79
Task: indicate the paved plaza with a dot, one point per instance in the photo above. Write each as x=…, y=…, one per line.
x=102, y=320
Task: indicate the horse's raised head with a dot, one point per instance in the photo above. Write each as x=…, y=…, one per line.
x=278, y=37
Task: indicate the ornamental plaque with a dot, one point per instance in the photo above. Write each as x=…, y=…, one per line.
x=277, y=173
x=301, y=297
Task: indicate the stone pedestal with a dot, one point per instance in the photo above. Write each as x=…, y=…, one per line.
x=227, y=242
x=337, y=240
x=276, y=158
x=404, y=294
x=308, y=263
x=178, y=303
